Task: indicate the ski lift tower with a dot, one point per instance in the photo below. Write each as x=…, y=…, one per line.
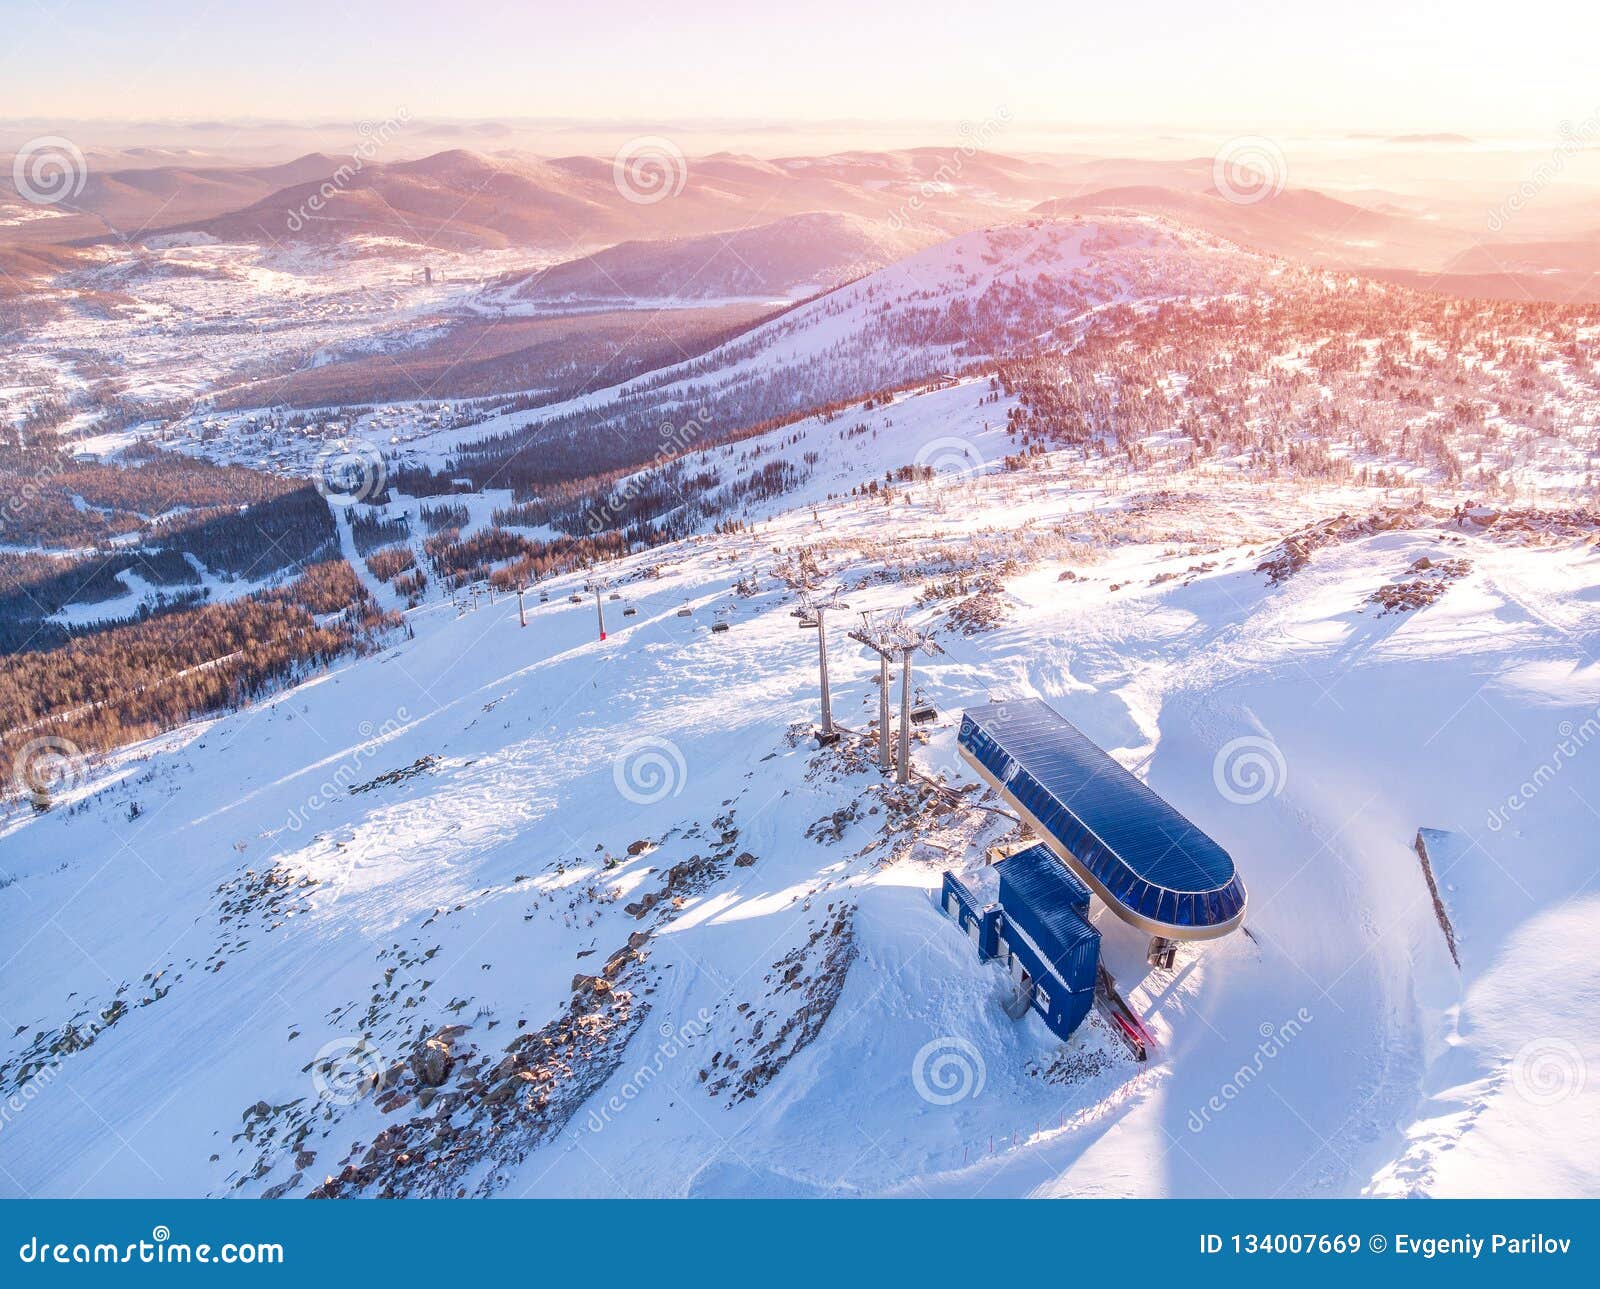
x=598, y=586
x=919, y=642
x=815, y=605
x=892, y=637
x=877, y=637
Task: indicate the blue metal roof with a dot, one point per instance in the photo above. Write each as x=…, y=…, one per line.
x=1039, y=896
x=1150, y=864
x=1040, y=876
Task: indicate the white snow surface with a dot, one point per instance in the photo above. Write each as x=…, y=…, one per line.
x=1335, y=1049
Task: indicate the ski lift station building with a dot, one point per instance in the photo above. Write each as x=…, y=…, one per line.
x=1101, y=831
x=1153, y=868
x=1036, y=923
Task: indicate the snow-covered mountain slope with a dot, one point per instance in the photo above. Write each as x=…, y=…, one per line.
x=797, y=256
x=979, y=295
x=663, y=945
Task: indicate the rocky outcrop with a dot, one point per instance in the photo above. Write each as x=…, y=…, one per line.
x=431, y=1062
x=1422, y=584
x=804, y=987
x=489, y=1110
x=1295, y=551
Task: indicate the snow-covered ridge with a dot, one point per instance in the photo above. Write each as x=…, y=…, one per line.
x=454, y=840
x=963, y=302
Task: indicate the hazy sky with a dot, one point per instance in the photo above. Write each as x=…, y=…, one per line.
x=1372, y=64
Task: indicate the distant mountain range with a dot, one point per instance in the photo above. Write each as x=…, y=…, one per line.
x=462, y=199
x=621, y=230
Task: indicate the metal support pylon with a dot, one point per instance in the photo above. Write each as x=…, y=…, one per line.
x=884, y=758
x=903, y=775
x=892, y=638
x=597, y=585
x=817, y=602
x=822, y=667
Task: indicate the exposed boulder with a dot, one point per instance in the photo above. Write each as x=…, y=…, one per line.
x=431, y=1062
